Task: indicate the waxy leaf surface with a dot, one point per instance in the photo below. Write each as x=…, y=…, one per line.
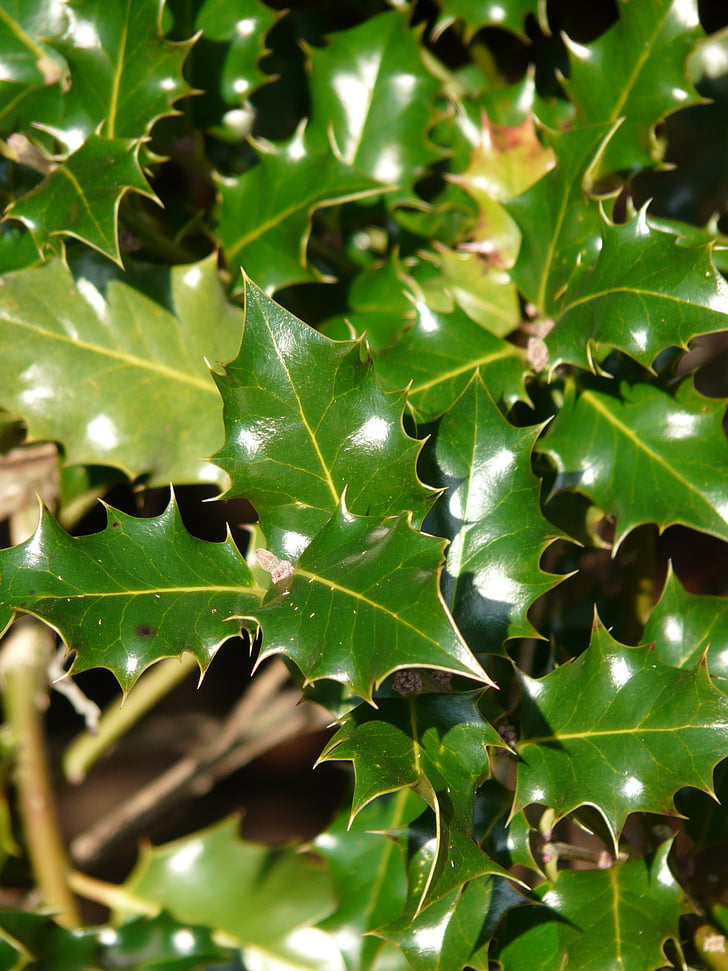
x=115, y=377
x=436, y=359
x=371, y=90
x=619, y=730
x=651, y=42
x=560, y=225
x=243, y=24
x=617, y=918
x=685, y=626
x=124, y=75
x=265, y=214
x=476, y=14
x=436, y=745
x=81, y=197
x=644, y=293
x=645, y=458
x=365, y=580
x=141, y=590
x=368, y=879
x=492, y=516
x=305, y=420
x=215, y=879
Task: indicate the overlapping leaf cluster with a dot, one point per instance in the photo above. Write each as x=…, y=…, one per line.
x=470, y=474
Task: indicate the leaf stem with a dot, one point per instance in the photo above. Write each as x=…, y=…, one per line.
x=85, y=750
x=26, y=654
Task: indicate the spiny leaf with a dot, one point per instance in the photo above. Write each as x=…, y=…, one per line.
x=141, y=590
x=476, y=14
x=492, y=516
x=651, y=42
x=305, y=419
x=504, y=163
x=619, y=730
x=244, y=24
x=370, y=88
x=365, y=580
x=596, y=919
x=215, y=879
x=438, y=357
x=645, y=457
x=684, y=627
x=436, y=745
x=455, y=932
x=115, y=377
x=484, y=292
x=265, y=215
x=81, y=197
x=560, y=225
x=124, y=74
x=644, y=293
x=369, y=880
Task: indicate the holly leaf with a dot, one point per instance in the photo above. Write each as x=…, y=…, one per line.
x=651, y=43
x=243, y=26
x=645, y=293
x=484, y=292
x=476, y=14
x=140, y=590
x=435, y=744
x=34, y=74
x=264, y=899
x=88, y=369
x=684, y=627
x=372, y=92
x=264, y=217
x=617, y=918
x=504, y=163
x=645, y=457
x=491, y=514
x=81, y=197
x=560, y=225
x=124, y=74
x=368, y=879
x=437, y=358
x=305, y=419
x=455, y=932
x=619, y=730
x=365, y=580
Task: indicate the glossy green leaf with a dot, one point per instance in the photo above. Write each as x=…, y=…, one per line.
x=267, y=900
x=560, y=225
x=305, y=420
x=81, y=197
x=368, y=878
x=141, y=590
x=619, y=730
x=244, y=25
x=644, y=293
x=371, y=90
x=160, y=944
x=90, y=369
x=32, y=74
x=437, y=358
x=124, y=75
x=492, y=517
x=476, y=14
x=484, y=292
x=34, y=940
x=617, y=918
x=265, y=215
x=651, y=42
x=436, y=745
x=455, y=932
x=645, y=457
x=684, y=627
x=503, y=164
x=365, y=579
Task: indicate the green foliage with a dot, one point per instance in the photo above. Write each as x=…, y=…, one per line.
x=519, y=424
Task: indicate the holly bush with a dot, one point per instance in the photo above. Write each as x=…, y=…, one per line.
x=429, y=296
